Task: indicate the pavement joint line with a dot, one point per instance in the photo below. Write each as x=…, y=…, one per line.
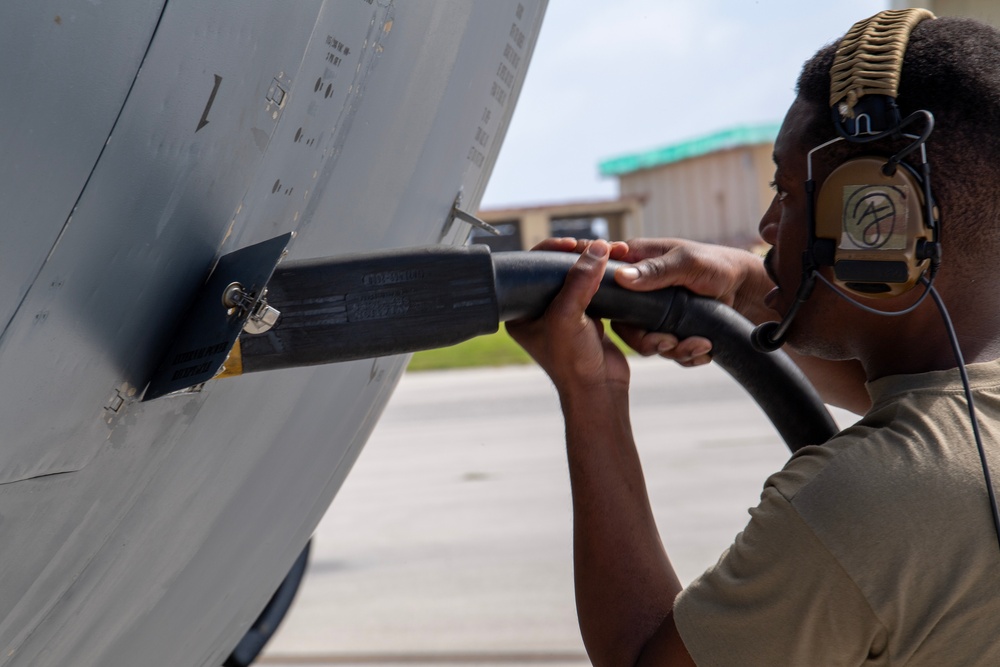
x=429, y=658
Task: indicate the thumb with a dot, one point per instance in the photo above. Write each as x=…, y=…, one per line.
x=647, y=274
x=653, y=273
x=583, y=280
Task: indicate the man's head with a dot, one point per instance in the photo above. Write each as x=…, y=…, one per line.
x=950, y=69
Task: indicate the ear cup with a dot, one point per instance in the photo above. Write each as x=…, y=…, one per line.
x=871, y=227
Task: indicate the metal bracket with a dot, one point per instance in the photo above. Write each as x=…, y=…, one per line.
x=118, y=402
x=261, y=317
x=210, y=328
x=475, y=222
x=465, y=216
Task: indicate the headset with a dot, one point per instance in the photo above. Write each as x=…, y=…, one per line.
x=874, y=220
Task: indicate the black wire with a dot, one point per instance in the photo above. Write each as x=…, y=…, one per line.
x=928, y=289
x=928, y=286
x=894, y=131
x=971, y=405
x=959, y=359
x=920, y=141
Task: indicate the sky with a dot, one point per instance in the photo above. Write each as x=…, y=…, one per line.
x=612, y=77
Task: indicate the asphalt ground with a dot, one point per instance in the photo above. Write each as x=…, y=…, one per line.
x=450, y=541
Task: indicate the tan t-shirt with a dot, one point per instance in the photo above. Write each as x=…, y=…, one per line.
x=877, y=548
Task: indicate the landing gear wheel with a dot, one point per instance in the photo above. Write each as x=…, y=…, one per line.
x=267, y=623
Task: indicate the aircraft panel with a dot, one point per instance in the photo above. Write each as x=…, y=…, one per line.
x=63, y=87
x=181, y=515
x=146, y=228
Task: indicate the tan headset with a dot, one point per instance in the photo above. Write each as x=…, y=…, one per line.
x=874, y=220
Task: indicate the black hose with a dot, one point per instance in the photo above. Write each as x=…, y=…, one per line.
x=526, y=282
x=399, y=301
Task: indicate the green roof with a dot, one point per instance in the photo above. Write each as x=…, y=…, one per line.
x=745, y=135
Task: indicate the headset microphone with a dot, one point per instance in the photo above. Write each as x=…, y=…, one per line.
x=769, y=336
x=765, y=337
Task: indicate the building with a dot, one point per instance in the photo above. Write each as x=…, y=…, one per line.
x=712, y=188
x=522, y=228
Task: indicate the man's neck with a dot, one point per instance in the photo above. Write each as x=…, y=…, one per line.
x=921, y=344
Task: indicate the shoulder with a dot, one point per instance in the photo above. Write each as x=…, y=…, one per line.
x=844, y=462
x=844, y=527
x=916, y=444
x=777, y=596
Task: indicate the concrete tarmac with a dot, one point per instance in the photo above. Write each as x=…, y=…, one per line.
x=450, y=542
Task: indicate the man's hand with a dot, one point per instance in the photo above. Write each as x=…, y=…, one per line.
x=734, y=277
x=570, y=346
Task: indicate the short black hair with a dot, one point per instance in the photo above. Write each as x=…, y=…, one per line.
x=951, y=68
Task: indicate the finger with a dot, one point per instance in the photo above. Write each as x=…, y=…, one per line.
x=655, y=273
x=691, y=349
x=619, y=250
x=714, y=275
x=640, y=249
x=582, y=281
x=632, y=336
x=646, y=343
x=558, y=244
x=655, y=264
x=697, y=361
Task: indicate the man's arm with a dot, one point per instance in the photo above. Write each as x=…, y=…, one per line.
x=735, y=277
x=625, y=584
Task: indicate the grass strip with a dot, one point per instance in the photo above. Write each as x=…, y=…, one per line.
x=497, y=349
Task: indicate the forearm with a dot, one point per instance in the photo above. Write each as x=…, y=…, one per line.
x=625, y=584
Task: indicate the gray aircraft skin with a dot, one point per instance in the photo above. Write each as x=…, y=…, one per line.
x=143, y=140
